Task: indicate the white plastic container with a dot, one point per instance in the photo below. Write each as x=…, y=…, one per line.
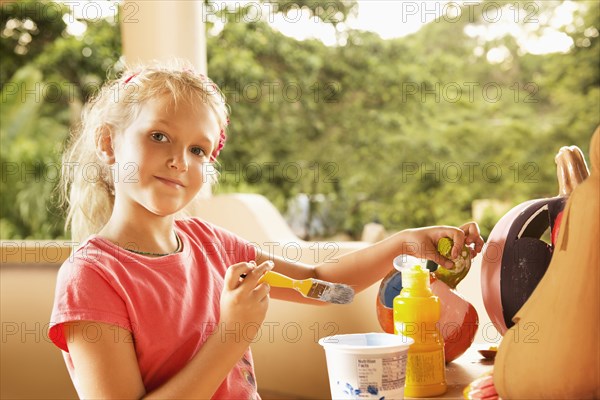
x=366, y=365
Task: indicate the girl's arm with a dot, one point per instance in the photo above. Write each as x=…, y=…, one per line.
x=362, y=268
x=108, y=368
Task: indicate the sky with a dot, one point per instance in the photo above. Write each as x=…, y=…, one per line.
x=398, y=18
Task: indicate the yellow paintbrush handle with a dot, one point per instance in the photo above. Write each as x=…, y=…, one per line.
x=279, y=280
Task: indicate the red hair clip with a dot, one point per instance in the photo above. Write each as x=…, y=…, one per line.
x=130, y=78
x=217, y=151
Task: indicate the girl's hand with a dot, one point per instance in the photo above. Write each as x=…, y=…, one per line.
x=472, y=236
x=422, y=242
x=243, y=300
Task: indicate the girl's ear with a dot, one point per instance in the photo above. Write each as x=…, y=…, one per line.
x=104, y=146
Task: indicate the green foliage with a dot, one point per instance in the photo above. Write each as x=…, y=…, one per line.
x=29, y=171
x=407, y=132
x=330, y=11
x=46, y=75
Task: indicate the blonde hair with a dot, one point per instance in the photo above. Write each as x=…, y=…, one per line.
x=87, y=187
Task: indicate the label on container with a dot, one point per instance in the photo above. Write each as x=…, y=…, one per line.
x=425, y=368
x=377, y=376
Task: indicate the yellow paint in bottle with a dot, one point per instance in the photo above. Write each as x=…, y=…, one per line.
x=416, y=312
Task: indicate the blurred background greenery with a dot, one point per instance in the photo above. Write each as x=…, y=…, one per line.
x=406, y=132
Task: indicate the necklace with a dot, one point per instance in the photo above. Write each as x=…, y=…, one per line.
x=144, y=253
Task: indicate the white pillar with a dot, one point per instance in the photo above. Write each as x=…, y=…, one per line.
x=162, y=29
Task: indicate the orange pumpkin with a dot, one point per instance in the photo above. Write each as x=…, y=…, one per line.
x=553, y=350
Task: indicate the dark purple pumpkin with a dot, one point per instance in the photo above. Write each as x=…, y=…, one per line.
x=515, y=257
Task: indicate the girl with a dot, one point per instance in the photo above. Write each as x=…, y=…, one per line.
x=140, y=303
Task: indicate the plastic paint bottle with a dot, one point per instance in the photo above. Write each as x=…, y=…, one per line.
x=416, y=312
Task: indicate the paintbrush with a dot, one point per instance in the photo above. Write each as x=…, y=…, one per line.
x=311, y=288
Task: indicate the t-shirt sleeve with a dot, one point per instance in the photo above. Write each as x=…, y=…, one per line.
x=232, y=248
x=83, y=293
x=235, y=248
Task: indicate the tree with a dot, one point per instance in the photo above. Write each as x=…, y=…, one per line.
x=407, y=131
x=46, y=74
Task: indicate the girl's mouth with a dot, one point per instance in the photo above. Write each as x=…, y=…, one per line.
x=171, y=182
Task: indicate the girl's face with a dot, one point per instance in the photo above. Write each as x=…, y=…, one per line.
x=163, y=158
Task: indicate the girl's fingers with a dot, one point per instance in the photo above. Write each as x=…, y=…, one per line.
x=251, y=279
x=262, y=291
x=441, y=260
x=473, y=235
x=479, y=244
x=458, y=237
x=233, y=273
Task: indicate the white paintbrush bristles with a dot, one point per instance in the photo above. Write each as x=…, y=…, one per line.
x=336, y=293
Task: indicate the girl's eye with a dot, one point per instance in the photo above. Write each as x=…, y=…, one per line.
x=159, y=137
x=197, y=151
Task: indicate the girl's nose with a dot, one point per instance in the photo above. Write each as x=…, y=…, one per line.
x=179, y=161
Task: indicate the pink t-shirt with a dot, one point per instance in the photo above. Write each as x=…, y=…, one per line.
x=169, y=303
